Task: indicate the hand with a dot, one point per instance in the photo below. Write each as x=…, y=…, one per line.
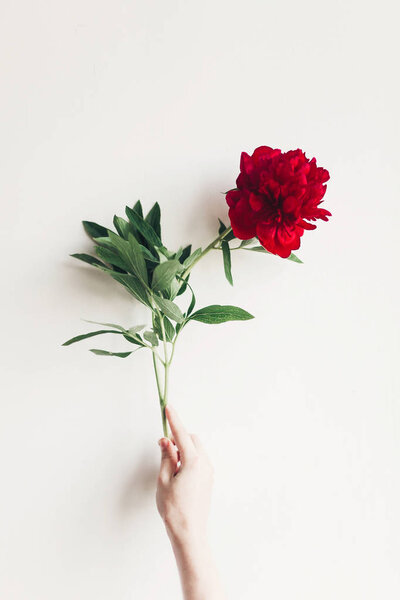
x=183, y=501
x=184, y=483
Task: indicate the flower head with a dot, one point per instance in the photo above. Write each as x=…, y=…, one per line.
x=277, y=194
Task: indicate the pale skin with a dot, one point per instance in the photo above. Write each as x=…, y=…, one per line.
x=183, y=501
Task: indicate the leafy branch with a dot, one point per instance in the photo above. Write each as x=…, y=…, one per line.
x=136, y=258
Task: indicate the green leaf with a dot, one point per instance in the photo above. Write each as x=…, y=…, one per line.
x=122, y=226
x=78, y=338
x=183, y=285
x=192, y=303
x=190, y=259
x=143, y=227
x=112, y=325
x=185, y=253
x=247, y=242
x=258, y=249
x=216, y=313
x=165, y=273
x=151, y=337
x=153, y=218
x=131, y=253
x=178, y=253
x=111, y=257
x=90, y=260
x=129, y=334
x=148, y=255
x=222, y=227
x=163, y=252
x=104, y=241
x=138, y=208
x=156, y=324
x=94, y=230
x=169, y=308
x=134, y=286
x=134, y=339
x=230, y=236
x=172, y=292
x=226, y=253
x=135, y=329
x=292, y=256
x=169, y=329
x=106, y=353
x=138, y=258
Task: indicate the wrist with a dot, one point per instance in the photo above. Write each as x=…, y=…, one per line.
x=187, y=538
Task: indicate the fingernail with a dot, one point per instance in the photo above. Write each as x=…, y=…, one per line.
x=164, y=443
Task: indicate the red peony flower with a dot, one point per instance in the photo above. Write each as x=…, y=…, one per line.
x=277, y=194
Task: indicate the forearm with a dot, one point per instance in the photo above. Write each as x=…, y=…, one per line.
x=197, y=570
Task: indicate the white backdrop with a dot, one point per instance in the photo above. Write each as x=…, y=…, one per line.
x=107, y=102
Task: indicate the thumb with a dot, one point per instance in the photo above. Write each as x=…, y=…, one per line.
x=169, y=460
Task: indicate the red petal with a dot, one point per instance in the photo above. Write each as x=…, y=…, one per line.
x=242, y=220
x=256, y=202
x=287, y=239
x=290, y=204
x=232, y=197
x=265, y=152
x=246, y=164
x=306, y=225
x=266, y=235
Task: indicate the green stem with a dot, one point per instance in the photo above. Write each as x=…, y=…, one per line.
x=160, y=396
x=164, y=421
x=165, y=426
x=164, y=337
x=157, y=377
x=163, y=392
x=173, y=350
x=207, y=249
x=166, y=370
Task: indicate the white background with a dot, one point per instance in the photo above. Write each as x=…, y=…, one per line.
x=107, y=102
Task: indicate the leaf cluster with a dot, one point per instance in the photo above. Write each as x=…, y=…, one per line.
x=135, y=256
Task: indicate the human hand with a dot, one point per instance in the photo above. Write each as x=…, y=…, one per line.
x=184, y=483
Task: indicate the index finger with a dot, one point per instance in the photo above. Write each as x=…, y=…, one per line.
x=181, y=436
